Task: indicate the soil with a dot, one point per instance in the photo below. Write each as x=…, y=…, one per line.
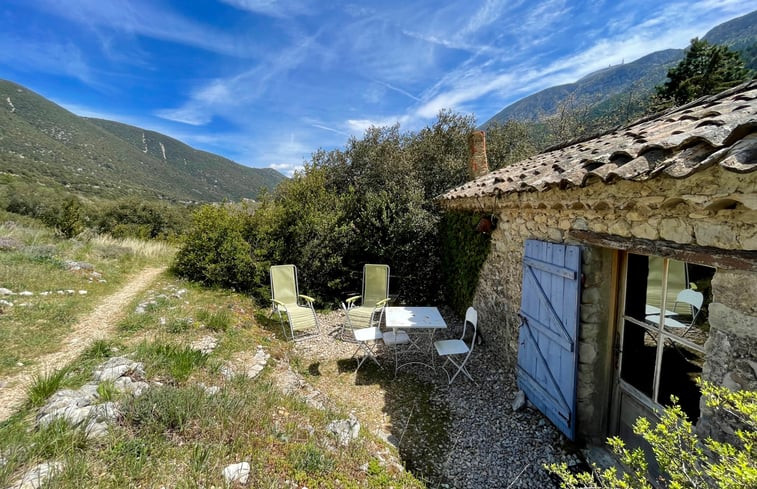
x=97, y=325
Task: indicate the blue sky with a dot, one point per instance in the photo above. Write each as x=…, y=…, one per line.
x=267, y=82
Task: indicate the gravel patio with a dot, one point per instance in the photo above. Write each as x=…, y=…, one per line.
x=486, y=443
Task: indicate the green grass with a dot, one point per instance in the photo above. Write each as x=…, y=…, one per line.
x=44, y=385
x=38, y=324
x=174, y=434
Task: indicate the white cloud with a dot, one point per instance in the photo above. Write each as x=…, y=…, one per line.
x=147, y=18
x=273, y=8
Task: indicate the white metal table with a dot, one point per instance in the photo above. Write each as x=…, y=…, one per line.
x=415, y=321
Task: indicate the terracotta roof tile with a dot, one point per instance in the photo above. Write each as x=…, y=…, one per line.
x=721, y=129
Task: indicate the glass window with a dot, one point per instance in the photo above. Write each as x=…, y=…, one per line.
x=664, y=329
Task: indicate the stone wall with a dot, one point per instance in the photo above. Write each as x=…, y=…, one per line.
x=710, y=208
x=731, y=348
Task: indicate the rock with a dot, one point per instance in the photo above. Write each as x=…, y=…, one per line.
x=38, y=476
x=9, y=244
x=26, y=293
x=206, y=344
x=96, y=430
x=78, y=265
x=520, y=401
x=237, y=473
x=4, y=291
x=82, y=292
x=129, y=386
x=345, y=430
x=118, y=367
x=259, y=362
x=6, y=303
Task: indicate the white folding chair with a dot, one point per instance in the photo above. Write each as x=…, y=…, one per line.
x=394, y=339
x=363, y=336
x=693, y=299
x=457, y=351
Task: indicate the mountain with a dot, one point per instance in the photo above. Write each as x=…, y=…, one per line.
x=609, y=85
x=43, y=142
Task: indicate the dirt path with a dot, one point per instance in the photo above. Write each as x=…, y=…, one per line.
x=99, y=324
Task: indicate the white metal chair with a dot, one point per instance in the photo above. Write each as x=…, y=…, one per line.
x=363, y=336
x=394, y=339
x=687, y=296
x=457, y=351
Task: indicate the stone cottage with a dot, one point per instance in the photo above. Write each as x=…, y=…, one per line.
x=624, y=267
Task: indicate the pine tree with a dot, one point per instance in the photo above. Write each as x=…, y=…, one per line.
x=707, y=69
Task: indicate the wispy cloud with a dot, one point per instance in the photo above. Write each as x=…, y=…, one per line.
x=48, y=57
x=272, y=8
x=149, y=19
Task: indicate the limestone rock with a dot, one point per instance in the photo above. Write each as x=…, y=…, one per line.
x=239, y=472
x=345, y=430
x=38, y=475
x=519, y=402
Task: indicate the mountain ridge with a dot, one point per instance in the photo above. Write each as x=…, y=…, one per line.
x=43, y=142
x=640, y=75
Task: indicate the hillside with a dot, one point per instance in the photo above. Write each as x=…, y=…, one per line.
x=41, y=141
x=607, y=86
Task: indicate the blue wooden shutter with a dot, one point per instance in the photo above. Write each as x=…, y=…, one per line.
x=548, y=352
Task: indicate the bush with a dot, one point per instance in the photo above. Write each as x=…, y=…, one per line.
x=684, y=459
x=214, y=251
x=463, y=253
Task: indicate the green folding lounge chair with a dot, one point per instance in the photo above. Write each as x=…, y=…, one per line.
x=286, y=297
x=375, y=296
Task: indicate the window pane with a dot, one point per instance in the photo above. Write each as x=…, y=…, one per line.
x=681, y=367
x=636, y=287
x=689, y=311
x=639, y=349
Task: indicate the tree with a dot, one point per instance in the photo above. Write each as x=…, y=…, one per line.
x=705, y=70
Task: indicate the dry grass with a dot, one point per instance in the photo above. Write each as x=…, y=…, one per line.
x=147, y=249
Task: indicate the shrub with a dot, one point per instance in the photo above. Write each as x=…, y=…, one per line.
x=684, y=459
x=214, y=250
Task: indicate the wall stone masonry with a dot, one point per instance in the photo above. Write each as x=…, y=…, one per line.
x=713, y=207
x=731, y=348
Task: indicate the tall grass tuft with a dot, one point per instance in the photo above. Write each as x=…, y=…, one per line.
x=44, y=385
x=149, y=249
x=178, y=362
x=218, y=321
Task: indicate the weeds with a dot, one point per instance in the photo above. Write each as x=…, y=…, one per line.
x=178, y=362
x=44, y=385
x=164, y=409
x=99, y=350
x=218, y=321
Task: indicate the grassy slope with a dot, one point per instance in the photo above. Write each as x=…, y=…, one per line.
x=175, y=435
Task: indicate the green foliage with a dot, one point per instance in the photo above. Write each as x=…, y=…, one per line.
x=163, y=410
x=138, y=218
x=177, y=362
x=214, y=250
x=217, y=321
x=44, y=385
x=685, y=460
x=310, y=459
x=463, y=253
x=707, y=69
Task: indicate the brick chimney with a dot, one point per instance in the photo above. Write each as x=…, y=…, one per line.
x=477, y=164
